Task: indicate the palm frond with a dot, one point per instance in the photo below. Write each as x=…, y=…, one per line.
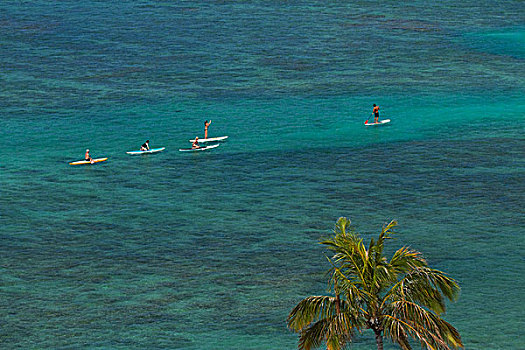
x=447, y=285
x=353, y=284
x=314, y=335
x=406, y=317
x=311, y=309
x=425, y=286
x=406, y=259
x=386, y=232
x=396, y=331
x=336, y=331
x=342, y=225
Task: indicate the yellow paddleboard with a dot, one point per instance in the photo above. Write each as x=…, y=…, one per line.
x=81, y=162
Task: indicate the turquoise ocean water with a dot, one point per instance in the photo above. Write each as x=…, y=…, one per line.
x=212, y=250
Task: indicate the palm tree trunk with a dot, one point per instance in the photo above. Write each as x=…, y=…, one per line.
x=337, y=299
x=337, y=304
x=379, y=338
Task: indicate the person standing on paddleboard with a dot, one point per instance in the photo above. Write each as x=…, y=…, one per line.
x=87, y=157
x=206, y=124
x=195, y=143
x=375, y=110
x=145, y=146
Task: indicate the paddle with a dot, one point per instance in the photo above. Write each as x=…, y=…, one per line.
x=371, y=114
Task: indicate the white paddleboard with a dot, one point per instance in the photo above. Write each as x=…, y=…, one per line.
x=198, y=149
x=81, y=162
x=381, y=122
x=212, y=139
x=153, y=150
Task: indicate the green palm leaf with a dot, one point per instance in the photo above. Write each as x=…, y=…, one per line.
x=310, y=310
x=407, y=317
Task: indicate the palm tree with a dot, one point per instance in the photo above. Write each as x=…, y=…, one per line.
x=397, y=298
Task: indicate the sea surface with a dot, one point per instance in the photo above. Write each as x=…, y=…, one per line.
x=212, y=250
